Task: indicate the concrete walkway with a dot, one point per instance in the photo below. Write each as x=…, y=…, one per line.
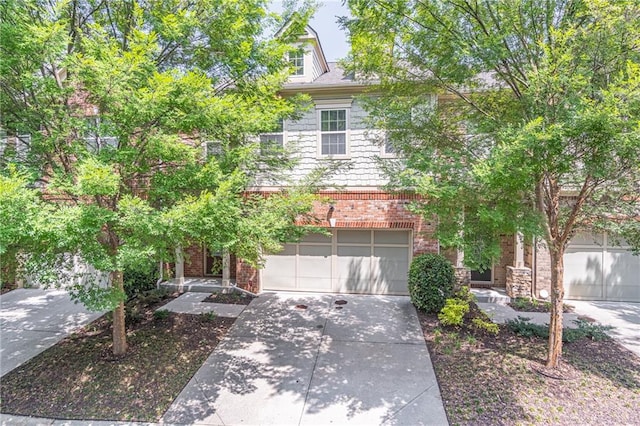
x=502, y=313
x=293, y=359
x=623, y=316
x=32, y=320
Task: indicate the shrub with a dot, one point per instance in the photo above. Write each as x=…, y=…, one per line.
x=161, y=314
x=453, y=312
x=523, y=327
x=431, y=281
x=208, y=316
x=140, y=278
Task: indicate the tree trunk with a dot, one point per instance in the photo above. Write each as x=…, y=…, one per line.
x=557, y=295
x=119, y=331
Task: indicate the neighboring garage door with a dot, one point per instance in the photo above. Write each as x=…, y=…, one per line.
x=596, y=269
x=347, y=261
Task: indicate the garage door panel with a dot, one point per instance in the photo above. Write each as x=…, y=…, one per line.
x=354, y=237
x=623, y=293
x=391, y=262
x=390, y=237
x=622, y=277
x=280, y=268
x=390, y=269
x=583, y=273
x=353, y=268
x=314, y=284
x=316, y=238
x=314, y=268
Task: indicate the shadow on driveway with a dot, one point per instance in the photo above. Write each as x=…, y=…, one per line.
x=32, y=320
x=303, y=359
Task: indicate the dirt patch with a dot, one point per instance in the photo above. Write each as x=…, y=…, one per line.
x=231, y=298
x=79, y=378
x=501, y=379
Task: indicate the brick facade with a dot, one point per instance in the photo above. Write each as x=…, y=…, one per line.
x=193, y=262
x=542, y=277
x=507, y=258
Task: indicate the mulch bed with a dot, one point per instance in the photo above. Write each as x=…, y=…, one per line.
x=79, y=378
x=502, y=379
x=234, y=298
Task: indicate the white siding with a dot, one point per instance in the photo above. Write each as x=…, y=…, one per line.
x=363, y=148
x=317, y=66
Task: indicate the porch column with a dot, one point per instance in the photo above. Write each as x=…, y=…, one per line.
x=226, y=268
x=519, y=250
x=179, y=266
x=462, y=273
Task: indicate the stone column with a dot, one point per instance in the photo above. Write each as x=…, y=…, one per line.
x=226, y=268
x=518, y=282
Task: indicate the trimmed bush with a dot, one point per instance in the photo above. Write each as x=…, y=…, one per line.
x=453, y=312
x=431, y=281
x=140, y=279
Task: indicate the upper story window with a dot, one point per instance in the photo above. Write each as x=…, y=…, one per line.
x=333, y=132
x=296, y=59
x=94, y=135
x=274, y=138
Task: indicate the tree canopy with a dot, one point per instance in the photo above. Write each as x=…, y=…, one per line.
x=537, y=126
x=129, y=131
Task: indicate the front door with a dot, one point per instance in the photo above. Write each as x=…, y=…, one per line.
x=213, y=264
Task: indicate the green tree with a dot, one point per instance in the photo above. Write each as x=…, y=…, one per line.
x=537, y=125
x=119, y=100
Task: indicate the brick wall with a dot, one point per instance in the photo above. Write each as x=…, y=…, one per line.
x=193, y=262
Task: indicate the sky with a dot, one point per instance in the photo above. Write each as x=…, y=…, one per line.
x=332, y=38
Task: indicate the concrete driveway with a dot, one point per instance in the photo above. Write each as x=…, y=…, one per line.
x=32, y=320
x=293, y=359
x=624, y=316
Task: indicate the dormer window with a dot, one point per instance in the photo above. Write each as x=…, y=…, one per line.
x=296, y=59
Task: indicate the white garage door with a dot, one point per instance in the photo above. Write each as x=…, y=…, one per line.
x=347, y=261
x=596, y=269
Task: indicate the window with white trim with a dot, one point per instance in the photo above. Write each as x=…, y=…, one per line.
x=94, y=137
x=274, y=138
x=296, y=59
x=333, y=132
x=387, y=147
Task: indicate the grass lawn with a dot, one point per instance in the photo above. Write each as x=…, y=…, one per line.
x=501, y=380
x=79, y=378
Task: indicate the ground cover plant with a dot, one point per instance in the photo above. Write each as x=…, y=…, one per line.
x=497, y=379
x=234, y=298
x=80, y=378
x=527, y=304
